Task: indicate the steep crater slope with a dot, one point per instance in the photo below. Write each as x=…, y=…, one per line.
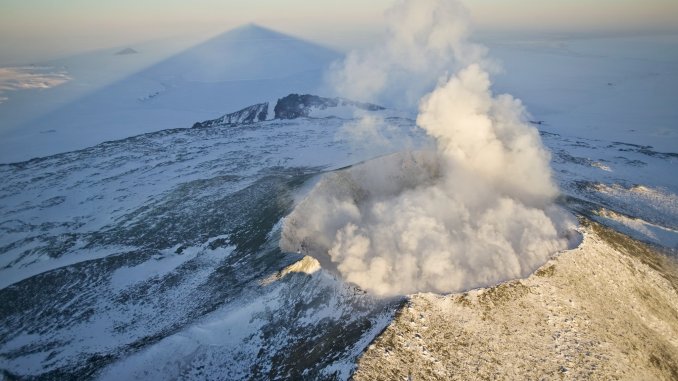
x=605, y=310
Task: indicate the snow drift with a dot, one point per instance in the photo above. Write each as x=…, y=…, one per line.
x=477, y=211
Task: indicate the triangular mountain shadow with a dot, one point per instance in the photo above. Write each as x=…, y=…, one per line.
x=235, y=69
x=248, y=52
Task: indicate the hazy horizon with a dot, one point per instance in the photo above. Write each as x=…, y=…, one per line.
x=41, y=30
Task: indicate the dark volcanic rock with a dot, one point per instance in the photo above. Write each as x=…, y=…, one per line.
x=292, y=106
x=251, y=114
x=299, y=106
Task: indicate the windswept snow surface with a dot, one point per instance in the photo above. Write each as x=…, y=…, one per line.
x=615, y=183
x=233, y=70
x=620, y=87
x=163, y=248
x=593, y=87
x=88, y=72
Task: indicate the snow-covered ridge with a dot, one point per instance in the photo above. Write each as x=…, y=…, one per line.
x=292, y=106
x=298, y=106
x=248, y=115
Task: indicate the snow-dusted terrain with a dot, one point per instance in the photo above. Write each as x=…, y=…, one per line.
x=163, y=249
x=152, y=244
x=155, y=254
x=595, y=87
x=233, y=70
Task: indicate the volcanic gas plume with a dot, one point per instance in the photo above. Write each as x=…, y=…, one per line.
x=476, y=211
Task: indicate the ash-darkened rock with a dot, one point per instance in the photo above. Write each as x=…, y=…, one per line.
x=248, y=115
x=292, y=106
x=300, y=106
x=645, y=150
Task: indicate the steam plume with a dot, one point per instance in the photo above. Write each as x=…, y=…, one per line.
x=477, y=211
x=425, y=40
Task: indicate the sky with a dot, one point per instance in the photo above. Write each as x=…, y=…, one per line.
x=38, y=29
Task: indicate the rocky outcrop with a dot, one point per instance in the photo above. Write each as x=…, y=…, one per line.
x=300, y=106
x=292, y=106
x=248, y=115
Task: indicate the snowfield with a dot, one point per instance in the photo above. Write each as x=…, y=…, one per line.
x=131, y=249
x=163, y=248
x=230, y=71
x=133, y=246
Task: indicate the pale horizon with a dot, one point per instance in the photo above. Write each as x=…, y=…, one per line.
x=40, y=30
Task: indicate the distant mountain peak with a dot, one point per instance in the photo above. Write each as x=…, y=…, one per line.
x=126, y=51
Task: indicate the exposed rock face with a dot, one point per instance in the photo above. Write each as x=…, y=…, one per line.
x=299, y=106
x=248, y=115
x=292, y=106
x=606, y=310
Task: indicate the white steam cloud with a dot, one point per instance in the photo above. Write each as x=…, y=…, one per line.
x=426, y=39
x=477, y=211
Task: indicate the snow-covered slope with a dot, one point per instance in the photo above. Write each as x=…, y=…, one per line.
x=621, y=86
x=228, y=72
x=162, y=249
x=87, y=73
x=250, y=114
